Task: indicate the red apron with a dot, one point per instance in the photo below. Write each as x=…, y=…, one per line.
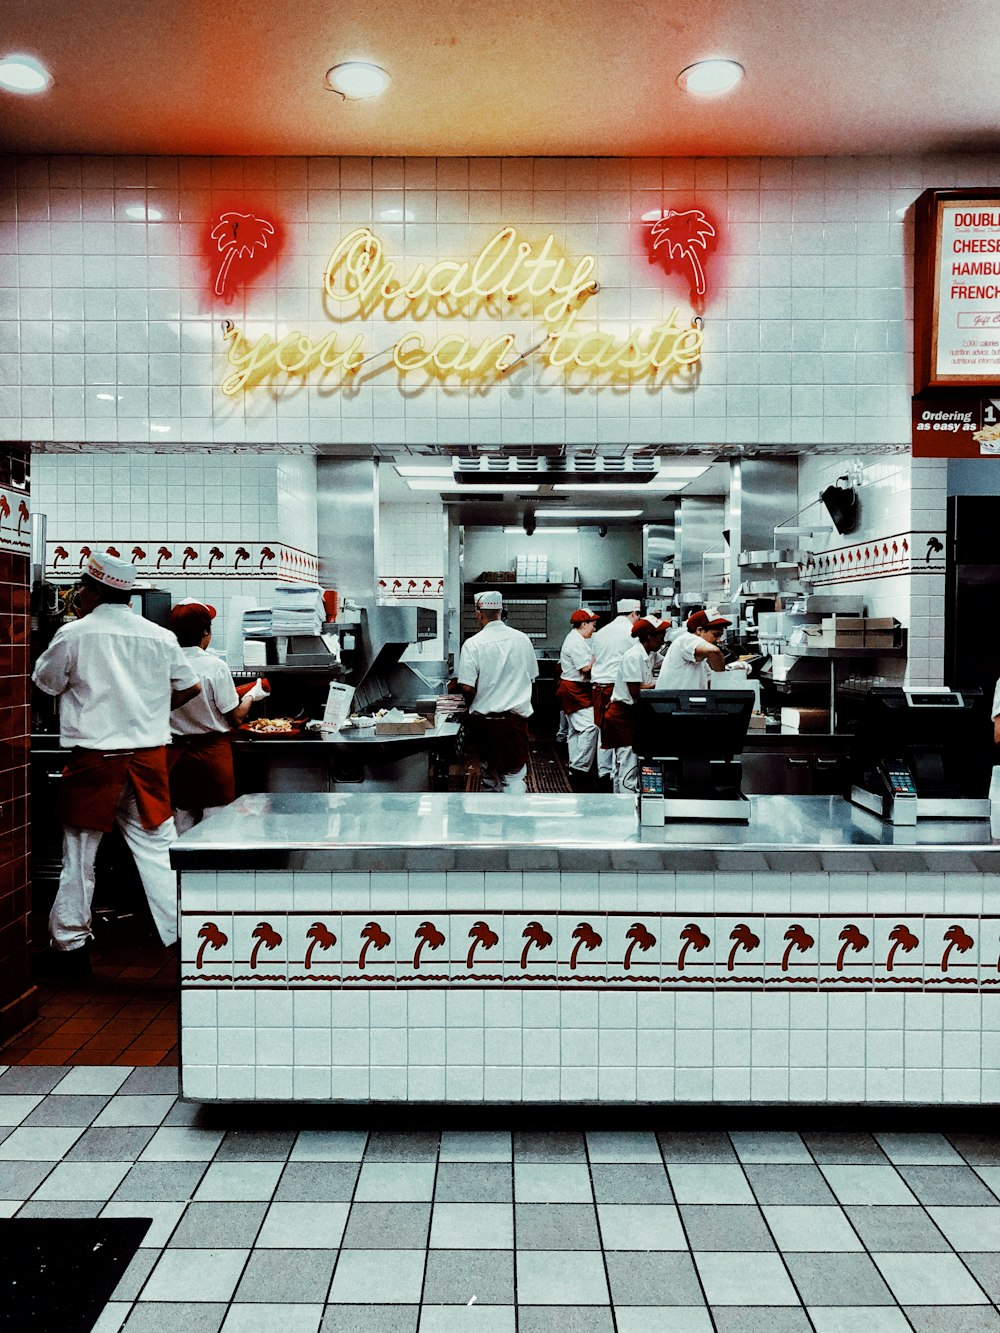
x=93, y=781
x=618, y=727
x=501, y=739
x=201, y=771
x=572, y=695
x=601, y=698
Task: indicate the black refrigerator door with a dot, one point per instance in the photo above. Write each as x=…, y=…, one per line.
x=972, y=593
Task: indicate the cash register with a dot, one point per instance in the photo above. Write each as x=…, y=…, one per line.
x=921, y=754
x=688, y=745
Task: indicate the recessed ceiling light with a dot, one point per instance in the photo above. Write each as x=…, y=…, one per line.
x=442, y=485
x=708, y=77
x=357, y=79
x=23, y=74
x=520, y=532
x=587, y=513
x=423, y=470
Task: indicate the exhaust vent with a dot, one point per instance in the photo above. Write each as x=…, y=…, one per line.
x=577, y=469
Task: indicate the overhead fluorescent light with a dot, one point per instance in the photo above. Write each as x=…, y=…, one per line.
x=587, y=513
x=621, y=486
x=422, y=470
x=688, y=470
x=521, y=532
x=443, y=484
x=23, y=74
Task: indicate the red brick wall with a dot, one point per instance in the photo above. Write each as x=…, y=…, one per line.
x=17, y=995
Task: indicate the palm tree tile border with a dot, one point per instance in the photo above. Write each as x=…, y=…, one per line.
x=601, y=950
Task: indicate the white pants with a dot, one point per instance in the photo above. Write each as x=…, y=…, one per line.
x=582, y=740
x=185, y=819
x=562, y=731
x=513, y=783
x=70, y=918
x=624, y=773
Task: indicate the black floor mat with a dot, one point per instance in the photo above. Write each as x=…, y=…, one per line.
x=59, y=1273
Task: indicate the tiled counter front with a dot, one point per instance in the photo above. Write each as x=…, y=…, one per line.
x=862, y=973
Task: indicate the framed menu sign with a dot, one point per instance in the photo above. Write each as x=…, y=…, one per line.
x=957, y=290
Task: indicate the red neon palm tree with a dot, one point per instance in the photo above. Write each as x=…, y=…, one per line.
x=238, y=234
x=797, y=939
x=319, y=937
x=957, y=939
x=586, y=937
x=480, y=934
x=743, y=938
x=215, y=554
x=694, y=938
x=533, y=934
x=902, y=938
x=210, y=934
x=680, y=236
x=265, y=935
x=374, y=937
x=852, y=939
x=164, y=553
x=638, y=938
x=189, y=554
x=428, y=934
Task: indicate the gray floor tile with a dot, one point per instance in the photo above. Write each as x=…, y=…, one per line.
x=145, y=1109
x=83, y=1180
x=745, y=1278
x=567, y=1277
x=370, y=1319
x=402, y=1146
x=670, y=1319
x=69, y=1110
x=218, y=1226
x=131, y=1281
x=267, y=1318
x=919, y=1149
x=329, y=1145
x=622, y=1146
x=549, y=1146
x=666, y=1278
x=255, y=1145
x=226, y=1182
x=474, y=1182
x=870, y=1184
x=725, y=1227
x=281, y=1276
x=187, y=1113
x=476, y=1145
x=302, y=1226
x=16, y=1107
x=761, y=1319
x=395, y=1276
x=770, y=1146
x=844, y=1149
x=859, y=1319
x=701, y=1183
x=164, y=1218
x=468, y=1226
x=929, y=1279
x=633, y=1182
x=160, y=1180
x=322, y=1182
x=565, y=1319
x=838, y=1279
x=91, y=1080
x=977, y=1149
x=811, y=1228
x=991, y=1176
x=551, y=1182
x=168, y=1317
x=62, y=1208
x=178, y=1143
x=153, y=1079
x=110, y=1145
x=640, y=1226
x=789, y=1184
x=953, y=1319
x=986, y=1270
x=202, y=1275
x=38, y=1145
x=947, y=1185
x=454, y=1277
x=969, y=1228
x=19, y=1180
x=708, y=1147
x=894, y=1228
x=399, y=1182
x=557, y=1226
x=467, y=1319
x=35, y=1078
x=387, y=1226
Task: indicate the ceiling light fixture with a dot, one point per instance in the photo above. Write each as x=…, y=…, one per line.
x=430, y=484
x=708, y=78
x=357, y=79
x=23, y=74
x=418, y=470
x=521, y=532
x=589, y=513
x=650, y=486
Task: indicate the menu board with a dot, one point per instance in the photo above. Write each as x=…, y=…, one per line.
x=957, y=289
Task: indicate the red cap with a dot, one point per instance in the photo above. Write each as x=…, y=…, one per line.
x=582, y=617
x=707, y=619
x=193, y=601
x=647, y=627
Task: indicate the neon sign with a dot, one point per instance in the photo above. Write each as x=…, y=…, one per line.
x=508, y=271
x=674, y=239
x=238, y=235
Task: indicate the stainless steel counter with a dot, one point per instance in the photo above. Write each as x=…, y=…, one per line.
x=454, y=831
x=310, y=741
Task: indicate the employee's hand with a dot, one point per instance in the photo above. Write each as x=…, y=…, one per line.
x=738, y=666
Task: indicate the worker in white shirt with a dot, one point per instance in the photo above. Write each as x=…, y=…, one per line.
x=496, y=670
x=117, y=676
x=609, y=644
x=574, y=698
x=696, y=653
x=635, y=674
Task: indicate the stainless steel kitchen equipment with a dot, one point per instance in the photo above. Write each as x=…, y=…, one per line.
x=689, y=743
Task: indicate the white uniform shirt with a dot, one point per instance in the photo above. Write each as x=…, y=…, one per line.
x=113, y=671
x=500, y=662
x=681, y=670
x=575, y=654
x=206, y=711
x=609, y=645
x=636, y=667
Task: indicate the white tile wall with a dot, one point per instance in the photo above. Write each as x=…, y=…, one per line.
x=108, y=333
